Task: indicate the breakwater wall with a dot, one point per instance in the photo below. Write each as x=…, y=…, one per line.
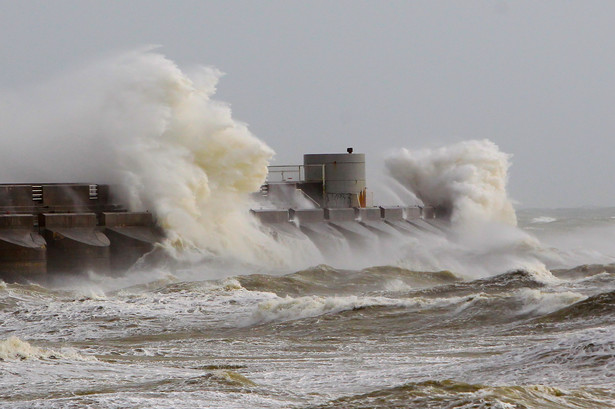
x=330, y=229
x=74, y=228
x=68, y=228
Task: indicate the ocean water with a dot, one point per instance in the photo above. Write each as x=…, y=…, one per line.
x=494, y=309
x=378, y=337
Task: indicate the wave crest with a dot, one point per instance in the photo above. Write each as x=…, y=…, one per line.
x=468, y=179
x=14, y=348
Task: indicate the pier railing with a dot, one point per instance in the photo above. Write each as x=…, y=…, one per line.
x=296, y=173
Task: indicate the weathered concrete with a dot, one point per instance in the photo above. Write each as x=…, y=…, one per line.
x=271, y=216
x=423, y=225
x=429, y=212
x=74, y=243
x=392, y=213
x=66, y=195
x=368, y=213
x=17, y=221
x=131, y=235
x=344, y=177
x=307, y=215
x=344, y=220
x=67, y=220
x=277, y=223
x=55, y=198
x=371, y=218
x=381, y=228
x=340, y=215
x=16, y=195
x=359, y=237
x=329, y=241
x=123, y=219
x=22, y=251
x=412, y=213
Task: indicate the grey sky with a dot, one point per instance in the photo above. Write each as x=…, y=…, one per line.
x=537, y=78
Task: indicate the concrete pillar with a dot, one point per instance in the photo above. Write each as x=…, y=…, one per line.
x=271, y=216
x=429, y=212
x=392, y=213
x=369, y=213
x=131, y=235
x=412, y=213
x=23, y=253
x=307, y=215
x=74, y=243
x=340, y=215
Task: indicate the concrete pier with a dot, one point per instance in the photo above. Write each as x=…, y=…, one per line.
x=365, y=214
x=68, y=228
x=372, y=219
x=429, y=212
x=391, y=214
x=301, y=216
x=271, y=216
x=22, y=249
x=75, y=227
x=312, y=223
x=277, y=223
x=74, y=244
x=131, y=235
x=413, y=213
x=345, y=220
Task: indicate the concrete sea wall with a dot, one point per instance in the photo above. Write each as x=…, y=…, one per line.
x=68, y=228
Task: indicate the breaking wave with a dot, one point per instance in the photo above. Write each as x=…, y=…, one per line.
x=327, y=280
x=14, y=349
x=543, y=219
x=469, y=179
x=460, y=395
x=596, y=306
x=138, y=122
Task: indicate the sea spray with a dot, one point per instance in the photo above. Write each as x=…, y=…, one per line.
x=136, y=121
x=14, y=348
x=468, y=179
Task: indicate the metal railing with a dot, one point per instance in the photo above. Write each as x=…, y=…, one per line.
x=37, y=193
x=294, y=173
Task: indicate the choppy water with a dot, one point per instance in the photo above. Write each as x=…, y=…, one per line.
x=324, y=337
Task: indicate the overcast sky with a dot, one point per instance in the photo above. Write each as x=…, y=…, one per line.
x=535, y=77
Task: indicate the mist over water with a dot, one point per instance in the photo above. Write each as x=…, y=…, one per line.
x=136, y=121
x=489, y=309
x=469, y=178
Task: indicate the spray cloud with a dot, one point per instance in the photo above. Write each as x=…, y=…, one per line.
x=468, y=179
x=135, y=120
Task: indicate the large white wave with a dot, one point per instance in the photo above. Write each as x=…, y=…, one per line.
x=137, y=121
x=468, y=179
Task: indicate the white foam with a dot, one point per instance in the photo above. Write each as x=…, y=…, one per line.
x=14, y=348
x=291, y=308
x=543, y=220
x=468, y=178
x=137, y=121
x=536, y=301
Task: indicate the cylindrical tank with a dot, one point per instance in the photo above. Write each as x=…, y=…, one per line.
x=344, y=177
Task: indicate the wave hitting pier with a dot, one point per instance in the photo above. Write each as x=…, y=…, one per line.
x=59, y=228
x=326, y=199
x=68, y=228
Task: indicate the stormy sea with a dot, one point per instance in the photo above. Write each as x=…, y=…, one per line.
x=492, y=307
x=378, y=337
